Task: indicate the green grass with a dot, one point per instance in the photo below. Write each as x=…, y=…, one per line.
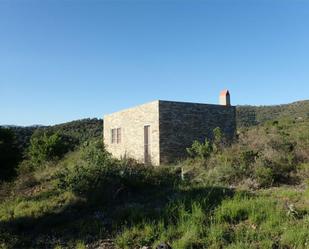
x=35, y=206
x=253, y=194
x=189, y=215
x=243, y=221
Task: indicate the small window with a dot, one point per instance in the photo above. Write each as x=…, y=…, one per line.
x=113, y=135
x=118, y=135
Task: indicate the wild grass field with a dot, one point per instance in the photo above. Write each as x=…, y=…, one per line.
x=252, y=193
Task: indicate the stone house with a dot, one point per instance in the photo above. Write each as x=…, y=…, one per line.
x=160, y=131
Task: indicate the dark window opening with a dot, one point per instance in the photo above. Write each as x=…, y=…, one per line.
x=116, y=135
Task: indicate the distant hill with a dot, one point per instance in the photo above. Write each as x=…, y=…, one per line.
x=22, y=133
x=253, y=115
x=79, y=130
x=85, y=129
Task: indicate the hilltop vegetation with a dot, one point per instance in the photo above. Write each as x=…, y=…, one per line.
x=79, y=130
x=253, y=115
x=84, y=129
x=22, y=135
x=70, y=193
x=15, y=140
x=10, y=154
x=263, y=156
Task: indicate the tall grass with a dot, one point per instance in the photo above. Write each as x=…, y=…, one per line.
x=243, y=221
x=226, y=199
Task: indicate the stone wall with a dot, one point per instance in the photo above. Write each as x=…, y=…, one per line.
x=132, y=122
x=181, y=123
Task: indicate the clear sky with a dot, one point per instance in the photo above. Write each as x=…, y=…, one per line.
x=64, y=60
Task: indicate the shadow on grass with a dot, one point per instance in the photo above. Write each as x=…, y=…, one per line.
x=100, y=218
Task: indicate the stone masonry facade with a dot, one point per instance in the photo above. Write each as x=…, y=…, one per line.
x=173, y=126
x=132, y=122
x=181, y=123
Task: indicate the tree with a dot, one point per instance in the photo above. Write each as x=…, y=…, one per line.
x=47, y=147
x=9, y=154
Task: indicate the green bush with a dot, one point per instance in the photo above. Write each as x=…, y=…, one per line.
x=262, y=156
x=9, y=154
x=264, y=176
x=303, y=172
x=92, y=168
x=47, y=147
x=200, y=150
x=232, y=165
x=204, y=150
x=96, y=172
x=218, y=140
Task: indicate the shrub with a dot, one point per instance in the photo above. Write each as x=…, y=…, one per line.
x=9, y=154
x=203, y=150
x=96, y=172
x=218, y=140
x=262, y=156
x=200, y=150
x=137, y=175
x=25, y=167
x=230, y=166
x=303, y=171
x=91, y=169
x=264, y=176
x=47, y=147
x=248, y=157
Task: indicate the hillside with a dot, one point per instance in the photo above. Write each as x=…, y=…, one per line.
x=250, y=194
x=23, y=135
x=79, y=130
x=253, y=115
x=93, y=128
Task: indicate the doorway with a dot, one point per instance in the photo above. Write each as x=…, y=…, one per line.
x=147, y=158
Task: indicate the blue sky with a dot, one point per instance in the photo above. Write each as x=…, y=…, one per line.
x=62, y=60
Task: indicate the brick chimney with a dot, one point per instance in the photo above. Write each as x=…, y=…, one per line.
x=224, y=98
